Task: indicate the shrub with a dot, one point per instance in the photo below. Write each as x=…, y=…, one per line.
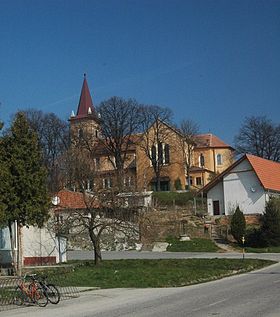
x=238, y=225
x=178, y=184
x=271, y=223
x=254, y=238
x=169, y=198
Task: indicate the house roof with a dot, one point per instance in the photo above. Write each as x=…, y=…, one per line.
x=267, y=171
x=85, y=106
x=209, y=140
x=70, y=200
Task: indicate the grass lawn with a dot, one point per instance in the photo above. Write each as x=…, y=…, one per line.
x=156, y=273
x=263, y=250
x=194, y=245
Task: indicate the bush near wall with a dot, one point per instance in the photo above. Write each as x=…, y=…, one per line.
x=173, y=198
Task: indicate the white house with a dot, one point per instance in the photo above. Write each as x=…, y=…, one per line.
x=247, y=183
x=38, y=246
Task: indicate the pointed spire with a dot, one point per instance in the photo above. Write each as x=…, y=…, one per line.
x=85, y=106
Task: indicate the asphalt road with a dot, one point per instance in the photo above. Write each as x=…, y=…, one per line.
x=247, y=295
x=115, y=255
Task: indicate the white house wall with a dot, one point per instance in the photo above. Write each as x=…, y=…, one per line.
x=38, y=245
x=242, y=188
x=215, y=193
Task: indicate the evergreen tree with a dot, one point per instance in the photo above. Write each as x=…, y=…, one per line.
x=270, y=227
x=23, y=188
x=238, y=225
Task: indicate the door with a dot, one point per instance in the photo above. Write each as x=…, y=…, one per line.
x=216, y=207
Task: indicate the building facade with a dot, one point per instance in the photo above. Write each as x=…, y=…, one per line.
x=248, y=183
x=150, y=165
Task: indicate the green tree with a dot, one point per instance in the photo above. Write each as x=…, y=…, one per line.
x=24, y=198
x=270, y=227
x=238, y=225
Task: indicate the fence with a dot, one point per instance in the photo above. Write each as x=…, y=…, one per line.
x=8, y=290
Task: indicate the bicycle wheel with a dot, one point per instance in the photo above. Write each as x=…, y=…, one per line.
x=18, y=296
x=52, y=293
x=40, y=297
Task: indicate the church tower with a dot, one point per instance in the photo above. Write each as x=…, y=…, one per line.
x=85, y=122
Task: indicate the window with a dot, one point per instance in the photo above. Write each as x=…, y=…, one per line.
x=198, y=181
x=166, y=153
x=160, y=154
x=90, y=184
x=107, y=183
x=127, y=181
x=80, y=133
x=191, y=181
x=154, y=154
x=201, y=160
x=219, y=159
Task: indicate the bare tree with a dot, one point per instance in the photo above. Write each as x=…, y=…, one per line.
x=155, y=128
x=53, y=134
x=103, y=211
x=120, y=120
x=189, y=129
x=259, y=136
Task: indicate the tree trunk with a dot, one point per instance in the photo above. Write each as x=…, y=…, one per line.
x=188, y=177
x=97, y=252
x=96, y=247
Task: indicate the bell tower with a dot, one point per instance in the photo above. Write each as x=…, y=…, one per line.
x=85, y=122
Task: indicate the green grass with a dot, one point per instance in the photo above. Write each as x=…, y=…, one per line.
x=194, y=245
x=263, y=250
x=156, y=273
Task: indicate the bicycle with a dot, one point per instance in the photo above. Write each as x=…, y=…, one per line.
x=50, y=290
x=30, y=292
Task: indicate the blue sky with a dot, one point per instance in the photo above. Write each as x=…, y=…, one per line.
x=211, y=61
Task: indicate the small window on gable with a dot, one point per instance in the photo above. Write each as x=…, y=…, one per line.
x=219, y=159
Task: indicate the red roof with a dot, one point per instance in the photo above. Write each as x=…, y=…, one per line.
x=267, y=171
x=70, y=200
x=85, y=102
x=209, y=140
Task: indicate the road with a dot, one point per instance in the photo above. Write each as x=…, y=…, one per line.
x=115, y=255
x=252, y=294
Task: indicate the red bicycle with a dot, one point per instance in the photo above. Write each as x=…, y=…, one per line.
x=29, y=290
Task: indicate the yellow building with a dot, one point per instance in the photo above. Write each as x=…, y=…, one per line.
x=209, y=157
x=156, y=158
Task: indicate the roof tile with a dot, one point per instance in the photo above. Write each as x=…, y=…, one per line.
x=267, y=171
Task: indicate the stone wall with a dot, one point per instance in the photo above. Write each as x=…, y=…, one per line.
x=156, y=225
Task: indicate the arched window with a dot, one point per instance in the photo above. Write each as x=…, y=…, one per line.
x=166, y=154
x=219, y=159
x=154, y=154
